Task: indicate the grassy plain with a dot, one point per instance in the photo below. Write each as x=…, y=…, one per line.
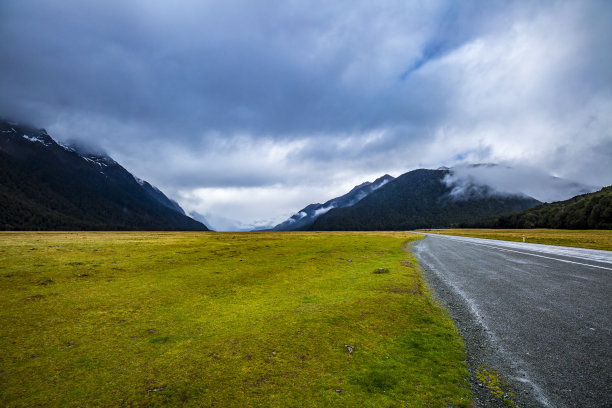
x=222, y=319
x=592, y=239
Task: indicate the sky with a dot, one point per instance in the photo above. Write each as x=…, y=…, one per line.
x=246, y=111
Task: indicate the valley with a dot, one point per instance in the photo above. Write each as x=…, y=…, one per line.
x=226, y=319
x=295, y=204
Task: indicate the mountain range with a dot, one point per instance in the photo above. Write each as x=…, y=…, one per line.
x=304, y=218
x=45, y=185
x=480, y=195
x=423, y=199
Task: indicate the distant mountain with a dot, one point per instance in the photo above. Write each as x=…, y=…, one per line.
x=422, y=199
x=199, y=217
x=216, y=222
x=45, y=185
x=304, y=218
x=586, y=211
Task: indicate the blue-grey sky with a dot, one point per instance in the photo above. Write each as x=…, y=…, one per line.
x=249, y=110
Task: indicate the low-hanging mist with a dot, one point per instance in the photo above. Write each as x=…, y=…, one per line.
x=493, y=179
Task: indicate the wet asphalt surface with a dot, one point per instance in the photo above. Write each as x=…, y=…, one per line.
x=539, y=315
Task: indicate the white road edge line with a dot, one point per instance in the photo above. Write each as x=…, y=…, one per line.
x=529, y=253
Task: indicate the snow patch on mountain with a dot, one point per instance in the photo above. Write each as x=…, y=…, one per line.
x=36, y=139
x=99, y=163
x=100, y=160
x=66, y=147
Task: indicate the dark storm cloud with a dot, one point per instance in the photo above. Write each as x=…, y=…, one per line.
x=278, y=68
x=276, y=97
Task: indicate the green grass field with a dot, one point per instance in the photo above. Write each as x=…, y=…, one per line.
x=592, y=239
x=222, y=319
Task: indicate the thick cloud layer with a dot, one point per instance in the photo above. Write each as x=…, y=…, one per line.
x=508, y=180
x=249, y=110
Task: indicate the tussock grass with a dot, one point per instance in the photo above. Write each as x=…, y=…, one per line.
x=223, y=319
x=592, y=239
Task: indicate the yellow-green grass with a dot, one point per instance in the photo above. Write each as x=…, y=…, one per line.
x=222, y=319
x=593, y=239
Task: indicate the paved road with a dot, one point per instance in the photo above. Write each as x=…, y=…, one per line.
x=539, y=314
